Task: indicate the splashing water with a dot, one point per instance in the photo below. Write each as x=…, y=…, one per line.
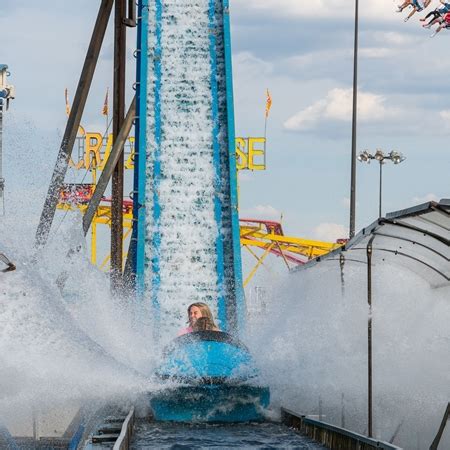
x=63, y=350
x=315, y=350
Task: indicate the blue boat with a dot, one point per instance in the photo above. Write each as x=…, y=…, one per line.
x=211, y=378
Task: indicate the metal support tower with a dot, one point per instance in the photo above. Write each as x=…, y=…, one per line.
x=124, y=17
x=73, y=123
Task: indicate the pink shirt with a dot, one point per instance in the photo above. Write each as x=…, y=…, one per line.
x=185, y=331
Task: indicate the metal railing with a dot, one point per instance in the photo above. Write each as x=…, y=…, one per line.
x=331, y=436
x=124, y=440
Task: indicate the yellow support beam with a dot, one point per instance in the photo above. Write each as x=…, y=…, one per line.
x=260, y=261
x=267, y=236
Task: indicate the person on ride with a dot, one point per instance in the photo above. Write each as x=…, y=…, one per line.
x=437, y=14
x=417, y=5
x=444, y=24
x=204, y=324
x=195, y=312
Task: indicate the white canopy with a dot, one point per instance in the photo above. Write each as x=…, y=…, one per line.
x=417, y=238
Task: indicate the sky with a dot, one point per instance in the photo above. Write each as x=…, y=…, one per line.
x=303, y=53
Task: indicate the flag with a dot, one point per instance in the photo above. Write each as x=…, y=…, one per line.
x=66, y=95
x=105, y=108
x=268, y=103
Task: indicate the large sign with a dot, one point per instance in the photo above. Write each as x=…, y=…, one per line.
x=251, y=153
x=94, y=149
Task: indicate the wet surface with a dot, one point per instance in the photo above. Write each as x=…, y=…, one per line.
x=205, y=436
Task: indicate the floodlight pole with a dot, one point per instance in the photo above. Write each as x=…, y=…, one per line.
x=379, y=156
x=381, y=189
x=354, y=123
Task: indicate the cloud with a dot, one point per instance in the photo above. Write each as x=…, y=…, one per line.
x=373, y=9
x=247, y=64
x=426, y=198
x=330, y=232
x=445, y=115
x=337, y=106
x=261, y=212
x=376, y=52
x=394, y=38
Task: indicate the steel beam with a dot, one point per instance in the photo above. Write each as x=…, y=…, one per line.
x=73, y=123
x=118, y=118
x=115, y=155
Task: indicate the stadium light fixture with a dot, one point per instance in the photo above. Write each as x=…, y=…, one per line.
x=394, y=156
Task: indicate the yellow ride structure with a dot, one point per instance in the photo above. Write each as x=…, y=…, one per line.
x=260, y=238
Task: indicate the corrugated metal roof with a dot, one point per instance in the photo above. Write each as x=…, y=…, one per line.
x=417, y=238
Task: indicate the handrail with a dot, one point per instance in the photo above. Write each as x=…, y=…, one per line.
x=124, y=440
x=331, y=436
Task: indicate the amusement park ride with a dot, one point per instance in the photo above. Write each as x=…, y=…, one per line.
x=177, y=241
x=185, y=243
x=260, y=238
x=185, y=237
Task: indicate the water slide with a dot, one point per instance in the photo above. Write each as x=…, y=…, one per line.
x=188, y=231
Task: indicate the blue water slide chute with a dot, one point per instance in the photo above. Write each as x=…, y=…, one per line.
x=185, y=188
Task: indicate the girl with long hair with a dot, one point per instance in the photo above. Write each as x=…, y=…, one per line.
x=196, y=311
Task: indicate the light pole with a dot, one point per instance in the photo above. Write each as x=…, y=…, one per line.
x=394, y=156
x=354, y=125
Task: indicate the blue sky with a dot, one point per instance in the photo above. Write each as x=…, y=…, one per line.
x=302, y=52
